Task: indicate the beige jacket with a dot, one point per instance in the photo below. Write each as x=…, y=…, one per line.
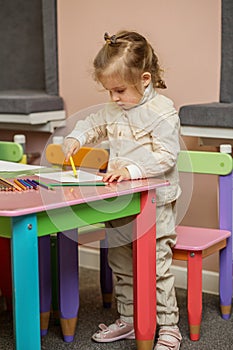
x=145, y=139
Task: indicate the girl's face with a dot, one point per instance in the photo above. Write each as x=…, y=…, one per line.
x=121, y=92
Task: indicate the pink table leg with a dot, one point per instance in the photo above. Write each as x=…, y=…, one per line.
x=144, y=261
x=195, y=294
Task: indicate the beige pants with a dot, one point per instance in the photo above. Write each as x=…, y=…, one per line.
x=120, y=259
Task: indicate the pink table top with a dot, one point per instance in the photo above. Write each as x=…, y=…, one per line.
x=33, y=201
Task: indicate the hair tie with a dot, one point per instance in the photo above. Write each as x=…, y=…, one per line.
x=110, y=39
x=161, y=84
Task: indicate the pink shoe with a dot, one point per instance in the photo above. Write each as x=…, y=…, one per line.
x=116, y=331
x=169, y=338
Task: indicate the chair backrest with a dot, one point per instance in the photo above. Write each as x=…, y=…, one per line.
x=86, y=157
x=213, y=163
x=201, y=162
x=11, y=151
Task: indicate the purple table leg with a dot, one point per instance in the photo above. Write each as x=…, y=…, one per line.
x=106, y=281
x=68, y=282
x=45, y=283
x=225, y=222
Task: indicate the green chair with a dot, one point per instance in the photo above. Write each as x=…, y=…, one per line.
x=13, y=152
x=195, y=243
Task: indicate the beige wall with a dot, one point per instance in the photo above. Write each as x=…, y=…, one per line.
x=185, y=35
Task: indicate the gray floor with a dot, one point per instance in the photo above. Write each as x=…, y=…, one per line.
x=215, y=332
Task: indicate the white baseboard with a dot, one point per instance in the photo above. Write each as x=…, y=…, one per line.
x=89, y=258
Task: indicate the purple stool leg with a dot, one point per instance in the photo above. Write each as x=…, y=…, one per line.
x=68, y=280
x=225, y=222
x=45, y=283
x=106, y=282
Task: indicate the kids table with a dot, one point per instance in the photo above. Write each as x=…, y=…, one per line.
x=27, y=215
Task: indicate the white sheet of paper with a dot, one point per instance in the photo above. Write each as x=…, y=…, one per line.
x=15, y=167
x=68, y=176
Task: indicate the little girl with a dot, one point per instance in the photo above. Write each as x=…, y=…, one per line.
x=142, y=127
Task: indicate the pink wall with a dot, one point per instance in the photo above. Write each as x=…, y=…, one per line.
x=186, y=36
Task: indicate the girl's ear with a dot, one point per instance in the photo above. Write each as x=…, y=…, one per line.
x=146, y=79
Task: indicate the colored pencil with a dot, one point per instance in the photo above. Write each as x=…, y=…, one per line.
x=24, y=183
x=18, y=183
x=7, y=184
x=4, y=187
x=17, y=187
x=73, y=167
x=35, y=186
x=78, y=184
x=42, y=185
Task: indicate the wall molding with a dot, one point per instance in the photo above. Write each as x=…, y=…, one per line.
x=89, y=258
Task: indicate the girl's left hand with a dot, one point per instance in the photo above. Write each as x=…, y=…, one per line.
x=117, y=175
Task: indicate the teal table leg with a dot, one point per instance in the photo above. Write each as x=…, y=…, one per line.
x=25, y=283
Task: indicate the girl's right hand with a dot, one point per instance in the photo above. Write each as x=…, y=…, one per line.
x=70, y=146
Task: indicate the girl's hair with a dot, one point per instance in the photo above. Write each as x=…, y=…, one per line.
x=130, y=55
